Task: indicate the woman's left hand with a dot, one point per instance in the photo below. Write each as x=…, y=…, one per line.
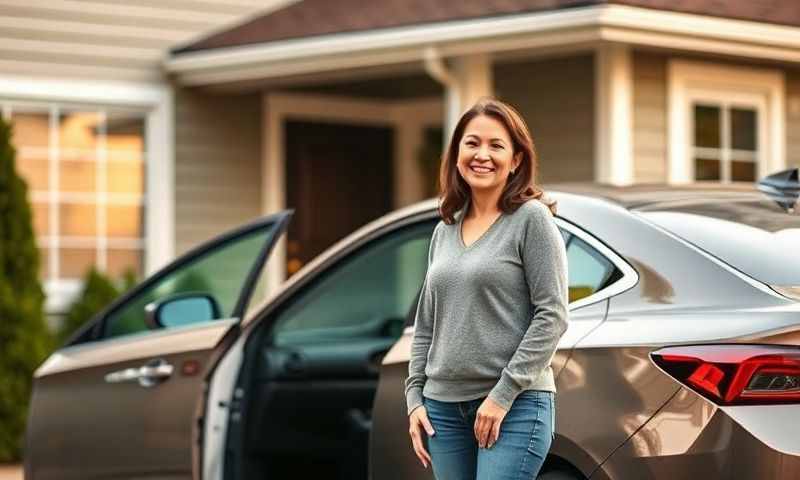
x=487, y=423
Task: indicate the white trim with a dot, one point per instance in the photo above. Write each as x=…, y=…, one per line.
x=156, y=101
x=616, y=23
x=689, y=80
x=613, y=162
x=160, y=183
x=277, y=107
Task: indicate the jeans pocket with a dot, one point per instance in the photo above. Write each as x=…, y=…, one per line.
x=553, y=415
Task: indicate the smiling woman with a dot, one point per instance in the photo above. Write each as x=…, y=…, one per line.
x=495, y=294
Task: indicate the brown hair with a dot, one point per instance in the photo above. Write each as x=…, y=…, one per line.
x=520, y=187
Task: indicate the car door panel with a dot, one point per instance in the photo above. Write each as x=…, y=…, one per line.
x=150, y=444
x=124, y=407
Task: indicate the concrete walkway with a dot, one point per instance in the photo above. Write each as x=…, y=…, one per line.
x=10, y=472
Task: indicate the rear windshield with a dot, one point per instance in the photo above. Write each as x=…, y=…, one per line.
x=752, y=234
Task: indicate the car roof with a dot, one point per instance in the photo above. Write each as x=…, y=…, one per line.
x=651, y=195
x=632, y=197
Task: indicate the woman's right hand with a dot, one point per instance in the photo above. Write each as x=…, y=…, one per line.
x=418, y=421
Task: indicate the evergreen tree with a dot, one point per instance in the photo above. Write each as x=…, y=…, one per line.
x=98, y=292
x=24, y=338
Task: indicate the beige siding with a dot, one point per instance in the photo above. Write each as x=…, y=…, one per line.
x=650, y=114
x=793, y=117
x=108, y=39
x=556, y=97
x=217, y=164
x=649, y=117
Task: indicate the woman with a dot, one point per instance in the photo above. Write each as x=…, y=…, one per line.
x=492, y=309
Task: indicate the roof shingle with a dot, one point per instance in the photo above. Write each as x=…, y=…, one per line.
x=310, y=18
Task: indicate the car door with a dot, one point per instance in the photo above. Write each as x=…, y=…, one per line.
x=117, y=401
x=302, y=402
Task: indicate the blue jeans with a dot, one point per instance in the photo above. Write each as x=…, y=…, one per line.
x=526, y=433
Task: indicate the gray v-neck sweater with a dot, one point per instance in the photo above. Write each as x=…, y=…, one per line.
x=490, y=314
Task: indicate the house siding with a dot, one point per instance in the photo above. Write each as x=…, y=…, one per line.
x=107, y=40
x=793, y=118
x=649, y=117
x=556, y=98
x=217, y=164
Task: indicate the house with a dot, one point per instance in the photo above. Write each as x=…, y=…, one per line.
x=334, y=98
x=338, y=109
x=93, y=115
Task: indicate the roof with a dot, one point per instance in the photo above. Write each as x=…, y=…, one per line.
x=310, y=18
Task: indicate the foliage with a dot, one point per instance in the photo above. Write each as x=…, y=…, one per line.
x=25, y=339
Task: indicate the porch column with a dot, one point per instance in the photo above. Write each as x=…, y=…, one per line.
x=613, y=115
x=466, y=79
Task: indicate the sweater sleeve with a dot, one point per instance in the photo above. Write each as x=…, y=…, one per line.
x=423, y=334
x=544, y=260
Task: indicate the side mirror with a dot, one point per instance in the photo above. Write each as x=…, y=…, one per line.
x=181, y=309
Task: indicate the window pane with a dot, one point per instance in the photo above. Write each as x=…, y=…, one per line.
x=75, y=262
x=35, y=171
x=367, y=295
x=588, y=269
x=706, y=126
x=743, y=129
x=125, y=131
x=124, y=221
x=31, y=129
x=41, y=219
x=125, y=177
x=220, y=273
x=706, y=169
x=119, y=261
x=77, y=219
x=743, y=171
x=79, y=134
x=77, y=177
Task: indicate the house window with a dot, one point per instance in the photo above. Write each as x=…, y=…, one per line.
x=726, y=123
x=725, y=146
x=85, y=171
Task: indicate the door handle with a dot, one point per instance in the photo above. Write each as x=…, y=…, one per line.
x=148, y=375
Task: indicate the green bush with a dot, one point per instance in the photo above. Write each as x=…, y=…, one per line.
x=24, y=337
x=98, y=292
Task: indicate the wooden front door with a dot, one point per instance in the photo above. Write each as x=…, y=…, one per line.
x=339, y=177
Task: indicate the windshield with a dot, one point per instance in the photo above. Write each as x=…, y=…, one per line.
x=752, y=234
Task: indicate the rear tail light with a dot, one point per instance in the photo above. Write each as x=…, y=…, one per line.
x=735, y=374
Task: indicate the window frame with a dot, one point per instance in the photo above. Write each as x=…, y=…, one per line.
x=690, y=82
x=335, y=258
x=155, y=103
x=94, y=330
x=629, y=276
x=725, y=102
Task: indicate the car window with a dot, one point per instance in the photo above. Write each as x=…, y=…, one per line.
x=366, y=295
x=220, y=272
x=589, y=270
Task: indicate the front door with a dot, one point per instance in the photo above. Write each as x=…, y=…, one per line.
x=339, y=177
x=118, y=400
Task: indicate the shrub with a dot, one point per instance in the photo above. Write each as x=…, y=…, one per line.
x=25, y=339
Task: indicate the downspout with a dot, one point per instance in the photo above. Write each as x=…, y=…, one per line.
x=436, y=68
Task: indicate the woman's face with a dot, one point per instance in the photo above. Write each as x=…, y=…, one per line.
x=485, y=154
